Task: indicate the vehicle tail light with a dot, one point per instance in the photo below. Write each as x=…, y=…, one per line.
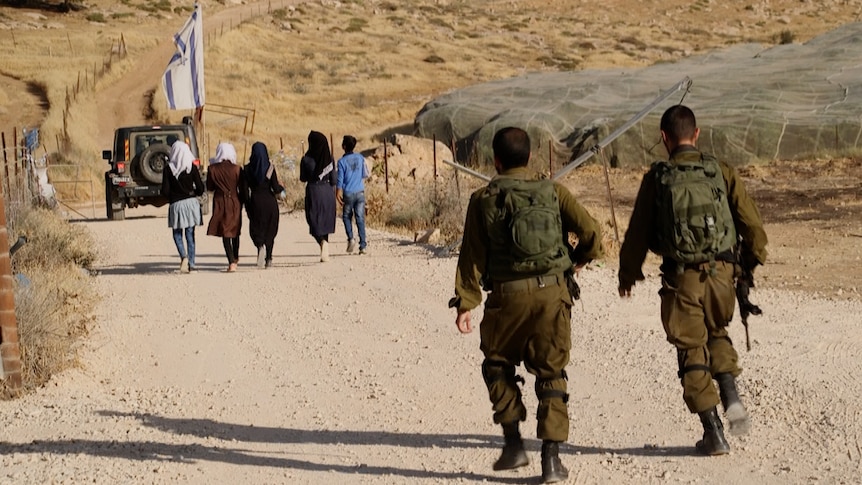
x=121, y=167
x=196, y=163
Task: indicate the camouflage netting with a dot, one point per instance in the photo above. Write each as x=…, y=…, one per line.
x=785, y=102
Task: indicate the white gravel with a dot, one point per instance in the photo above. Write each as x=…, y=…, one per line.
x=352, y=371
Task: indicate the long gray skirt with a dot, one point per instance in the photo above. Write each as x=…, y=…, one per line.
x=184, y=213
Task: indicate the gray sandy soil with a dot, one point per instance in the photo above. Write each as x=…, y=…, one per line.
x=352, y=371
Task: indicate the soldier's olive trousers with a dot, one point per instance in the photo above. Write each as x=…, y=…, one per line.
x=528, y=321
x=696, y=308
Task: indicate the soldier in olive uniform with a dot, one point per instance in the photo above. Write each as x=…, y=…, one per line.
x=528, y=311
x=697, y=299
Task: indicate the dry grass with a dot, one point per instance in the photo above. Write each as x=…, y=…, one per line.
x=53, y=292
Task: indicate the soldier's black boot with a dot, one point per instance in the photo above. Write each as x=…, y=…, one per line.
x=713, y=442
x=552, y=468
x=737, y=416
x=513, y=455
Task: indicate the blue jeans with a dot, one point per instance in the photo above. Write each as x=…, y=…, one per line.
x=190, y=240
x=354, y=206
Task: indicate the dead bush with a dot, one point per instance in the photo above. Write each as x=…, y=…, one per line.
x=53, y=294
x=418, y=205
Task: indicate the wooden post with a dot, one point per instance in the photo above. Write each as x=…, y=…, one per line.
x=386, y=164
x=455, y=160
x=434, y=156
x=5, y=162
x=15, y=162
x=452, y=147
x=10, y=350
x=610, y=197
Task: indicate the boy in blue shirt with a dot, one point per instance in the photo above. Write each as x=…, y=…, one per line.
x=350, y=192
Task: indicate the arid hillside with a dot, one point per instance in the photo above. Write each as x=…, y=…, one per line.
x=276, y=69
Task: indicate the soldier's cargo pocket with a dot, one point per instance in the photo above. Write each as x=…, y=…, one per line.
x=488, y=329
x=723, y=295
x=669, y=308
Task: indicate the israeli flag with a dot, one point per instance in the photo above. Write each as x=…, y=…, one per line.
x=183, y=81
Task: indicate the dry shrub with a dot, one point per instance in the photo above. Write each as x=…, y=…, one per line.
x=53, y=242
x=52, y=312
x=412, y=206
x=53, y=294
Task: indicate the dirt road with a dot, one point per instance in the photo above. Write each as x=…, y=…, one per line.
x=352, y=372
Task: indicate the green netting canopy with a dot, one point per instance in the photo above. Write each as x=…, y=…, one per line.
x=784, y=102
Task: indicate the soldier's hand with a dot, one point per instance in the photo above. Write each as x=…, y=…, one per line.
x=462, y=321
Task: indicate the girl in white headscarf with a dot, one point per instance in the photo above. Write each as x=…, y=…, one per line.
x=181, y=185
x=225, y=181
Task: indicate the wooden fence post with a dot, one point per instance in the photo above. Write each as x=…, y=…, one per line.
x=386, y=164
x=434, y=156
x=15, y=162
x=5, y=162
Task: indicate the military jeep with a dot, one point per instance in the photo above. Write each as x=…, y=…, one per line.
x=140, y=155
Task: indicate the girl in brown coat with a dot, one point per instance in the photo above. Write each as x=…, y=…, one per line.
x=225, y=180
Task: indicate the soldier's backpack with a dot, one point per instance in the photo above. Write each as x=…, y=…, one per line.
x=525, y=230
x=693, y=217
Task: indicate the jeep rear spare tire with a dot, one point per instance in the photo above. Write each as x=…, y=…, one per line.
x=153, y=161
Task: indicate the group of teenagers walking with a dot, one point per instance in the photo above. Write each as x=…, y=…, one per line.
x=691, y=209
x=256, y=188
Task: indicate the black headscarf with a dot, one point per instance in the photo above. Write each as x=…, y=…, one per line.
x=318, y=150
x=258, y=163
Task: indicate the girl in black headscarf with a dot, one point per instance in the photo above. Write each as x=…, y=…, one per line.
x=262, y=208
x=317, y=170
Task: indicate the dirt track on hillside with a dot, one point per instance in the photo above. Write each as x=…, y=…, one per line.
x=125, y=102
x=352, y=371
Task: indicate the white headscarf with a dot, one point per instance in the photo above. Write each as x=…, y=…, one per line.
x=224, y=151
x=181, y=158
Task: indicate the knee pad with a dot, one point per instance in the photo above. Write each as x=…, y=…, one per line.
x=543, y=393
x=685, y=368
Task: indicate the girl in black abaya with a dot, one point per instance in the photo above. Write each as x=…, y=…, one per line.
x=262, y=208
x=317, y=170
